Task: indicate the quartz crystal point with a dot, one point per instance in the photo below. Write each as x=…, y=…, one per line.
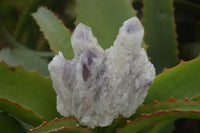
x=96, y=86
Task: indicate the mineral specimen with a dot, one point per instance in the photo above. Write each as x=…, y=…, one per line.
x=96, y=86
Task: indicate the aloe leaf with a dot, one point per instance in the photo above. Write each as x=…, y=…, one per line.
x=26, y=58
x=150, y=119
x=26, y=18
x=20, y=112
x=29, y=90
x=196, y=98
x=166, y=126
x=171, y=104
x=72, y=130
x=160, y=33
x=32, y=37
x=105, y=17
x=189, y=51
x=117, y=123
x=10, y=125
x=55, y=124
x=54, y=31
x=178, y=82
x=21, y=55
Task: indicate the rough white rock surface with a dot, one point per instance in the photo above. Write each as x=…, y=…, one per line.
x=97, y=85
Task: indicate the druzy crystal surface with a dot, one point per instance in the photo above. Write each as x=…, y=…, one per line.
x=96, y=86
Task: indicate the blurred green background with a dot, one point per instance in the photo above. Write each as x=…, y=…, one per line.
x=187, y=19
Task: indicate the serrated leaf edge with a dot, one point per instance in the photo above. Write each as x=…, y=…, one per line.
x=69, y=128
x=55, y=120
x=12, y=67
x=160, y=112
x=62, y=22
x=170, y=100
x=180, y=64
x=18, y=105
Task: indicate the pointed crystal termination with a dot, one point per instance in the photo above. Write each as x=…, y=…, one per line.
x=97, y=85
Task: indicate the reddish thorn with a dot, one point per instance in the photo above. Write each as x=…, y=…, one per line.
x=186, y=99
x=182, y=61
x=154, y=101
x=172, y=99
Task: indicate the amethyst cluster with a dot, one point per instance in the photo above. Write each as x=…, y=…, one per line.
x=98, y=85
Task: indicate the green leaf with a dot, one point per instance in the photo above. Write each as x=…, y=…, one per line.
x=196, y=98
x=171, y=104
x=73, y=130
x=25, y=125
x=105, y=17
x=55, y=32
x=10, y=125
x=28, y=58
x=26, y=18
x=24, y=57
x=190, y=50
x=178, y=82
x=32, y=37
x=166, y=126
x=30, y=90
x=117, y=123
x=150, y=119
x=160, y=33
x=54, y=125
x=20, y=112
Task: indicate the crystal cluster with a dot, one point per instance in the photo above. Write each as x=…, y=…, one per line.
x=96, y=86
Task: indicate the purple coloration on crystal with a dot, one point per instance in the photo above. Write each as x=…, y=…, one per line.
x=97, y=85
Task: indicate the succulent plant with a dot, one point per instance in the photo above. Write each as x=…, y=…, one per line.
x=85, y=85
